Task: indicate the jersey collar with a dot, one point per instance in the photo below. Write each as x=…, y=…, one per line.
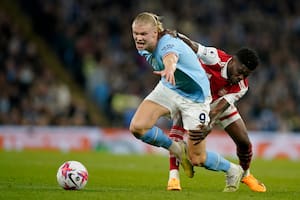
x=224, y=69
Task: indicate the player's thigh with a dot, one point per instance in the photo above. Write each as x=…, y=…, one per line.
x=165, y=97
x=234, y=125
x=194, y=114
x=238, y=132
x=158, y=103
x=147, y=114
x=230, y=115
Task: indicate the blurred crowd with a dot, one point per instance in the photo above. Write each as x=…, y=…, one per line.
x=93, y=40
x=30, y=94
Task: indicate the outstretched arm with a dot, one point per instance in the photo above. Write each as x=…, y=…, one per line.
x=170, y=61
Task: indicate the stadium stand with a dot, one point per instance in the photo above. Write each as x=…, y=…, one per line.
x=93, y=41
x=33, y=89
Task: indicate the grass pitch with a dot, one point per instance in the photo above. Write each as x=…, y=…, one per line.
x=32, y=175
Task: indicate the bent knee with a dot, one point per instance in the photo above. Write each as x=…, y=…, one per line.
x=136, y=130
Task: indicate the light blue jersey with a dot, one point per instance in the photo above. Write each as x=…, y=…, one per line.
x=190, y=77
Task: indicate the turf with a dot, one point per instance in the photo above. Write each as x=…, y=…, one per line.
x=32, y=175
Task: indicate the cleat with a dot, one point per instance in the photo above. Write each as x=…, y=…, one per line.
x=233, y=178
x=254, y=184
x=185, y=162
x=173, y=185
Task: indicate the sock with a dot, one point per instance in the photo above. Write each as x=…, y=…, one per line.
x=176, y=133
x=246, y=173
x=244, y=154
x=174, y=162
x=216, y=162
x=156, y=137
x=174, y=173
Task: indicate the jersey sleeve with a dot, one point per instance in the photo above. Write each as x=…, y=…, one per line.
x=208, y=55
x=236, y=92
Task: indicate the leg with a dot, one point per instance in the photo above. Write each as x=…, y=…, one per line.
x=142, y=127
x=177, y=134
x=145, y=117
x=215, y=162
x=195, y=114
x=209, y=160
x=238, y=132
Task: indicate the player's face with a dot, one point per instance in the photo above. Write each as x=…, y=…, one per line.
x=145, y=36
x=237, y=71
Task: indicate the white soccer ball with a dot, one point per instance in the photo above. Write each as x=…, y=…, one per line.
x=72, y=175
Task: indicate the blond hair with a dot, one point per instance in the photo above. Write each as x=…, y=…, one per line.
x=151, y=18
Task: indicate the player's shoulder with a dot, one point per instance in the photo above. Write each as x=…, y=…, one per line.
x=167, y=37
x=224, y=57
x=167, y=41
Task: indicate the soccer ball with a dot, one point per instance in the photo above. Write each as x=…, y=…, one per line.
x=72, y=175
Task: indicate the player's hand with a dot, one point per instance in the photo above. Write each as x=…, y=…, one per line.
x=200, y=134
x=168, y=74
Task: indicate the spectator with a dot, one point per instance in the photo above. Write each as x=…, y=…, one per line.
x=30, y=94
x=101, y=28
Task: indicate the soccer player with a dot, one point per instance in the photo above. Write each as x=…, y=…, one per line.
x=184, y=87
x=228, y=81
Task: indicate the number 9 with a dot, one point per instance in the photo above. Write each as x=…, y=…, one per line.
x=202, y=118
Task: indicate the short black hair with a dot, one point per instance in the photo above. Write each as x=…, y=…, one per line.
x=248, y=57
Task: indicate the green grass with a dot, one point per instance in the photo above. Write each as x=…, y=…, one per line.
x=32, y=175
